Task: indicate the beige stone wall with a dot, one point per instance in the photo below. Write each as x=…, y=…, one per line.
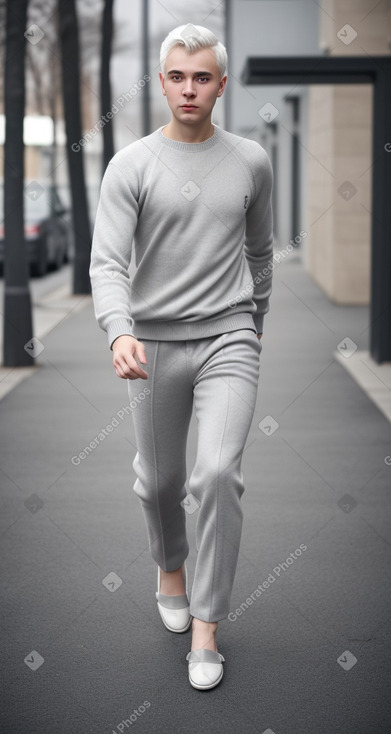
x=340, y=159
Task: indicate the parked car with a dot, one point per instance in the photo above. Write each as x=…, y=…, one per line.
x=47, y=227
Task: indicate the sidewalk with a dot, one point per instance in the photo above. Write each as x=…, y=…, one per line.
x=83, y=645
x=49, y=309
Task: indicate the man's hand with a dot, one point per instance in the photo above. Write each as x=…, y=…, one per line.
x=125, y=350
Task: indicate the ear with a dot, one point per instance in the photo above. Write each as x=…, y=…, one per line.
x=222, y=86
x=162, y=82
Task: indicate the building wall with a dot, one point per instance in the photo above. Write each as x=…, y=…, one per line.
x=340, y=170
x=335, y=130
x=257, y=30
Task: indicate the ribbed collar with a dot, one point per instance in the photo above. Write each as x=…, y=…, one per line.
x=190, y=147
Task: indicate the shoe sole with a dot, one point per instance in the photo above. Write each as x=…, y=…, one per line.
x=206, y=688
x=171, y=629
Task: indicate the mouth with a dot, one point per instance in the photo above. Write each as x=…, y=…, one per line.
x=188, y=107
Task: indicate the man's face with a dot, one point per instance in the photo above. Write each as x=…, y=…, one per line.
x=191, y=84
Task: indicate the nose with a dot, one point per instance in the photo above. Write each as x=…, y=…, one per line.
x=188, y=89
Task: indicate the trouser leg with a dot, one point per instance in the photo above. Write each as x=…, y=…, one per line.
x=161, y=423
x=225, y=390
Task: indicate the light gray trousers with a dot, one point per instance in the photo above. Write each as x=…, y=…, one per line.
x=220, y=375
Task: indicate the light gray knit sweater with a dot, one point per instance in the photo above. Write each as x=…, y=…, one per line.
x=197, y=219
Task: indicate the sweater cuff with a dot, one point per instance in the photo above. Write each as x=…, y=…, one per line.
x=119, y=327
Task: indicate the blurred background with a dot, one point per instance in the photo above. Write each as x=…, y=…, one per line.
x=91, y=87
x=79, y=82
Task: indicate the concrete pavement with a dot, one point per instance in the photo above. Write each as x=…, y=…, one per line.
x=52, y=301
x=307, y=644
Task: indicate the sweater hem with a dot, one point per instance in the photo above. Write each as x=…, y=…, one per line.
x=179, y=331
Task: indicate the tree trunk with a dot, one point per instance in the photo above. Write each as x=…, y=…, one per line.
x=146, y=100
x=105, y=86
x=68, y=30
x=18, y=347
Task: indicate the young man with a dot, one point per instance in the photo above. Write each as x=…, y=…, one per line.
x=196, y=200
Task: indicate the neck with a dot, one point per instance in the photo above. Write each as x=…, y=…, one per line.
x=188, y=133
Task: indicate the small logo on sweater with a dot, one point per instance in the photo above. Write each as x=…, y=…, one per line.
x=245, y=202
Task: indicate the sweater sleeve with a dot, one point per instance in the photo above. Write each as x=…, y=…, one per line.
x=115, y=224
x=258, y=245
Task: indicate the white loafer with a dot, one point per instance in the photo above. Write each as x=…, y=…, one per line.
x=174, y=610
x=205, y=668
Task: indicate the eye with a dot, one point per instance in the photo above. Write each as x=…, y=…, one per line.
x=202, y=79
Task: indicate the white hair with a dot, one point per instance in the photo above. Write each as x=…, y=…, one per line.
x=193, y=38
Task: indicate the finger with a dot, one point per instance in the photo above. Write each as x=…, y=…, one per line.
x=121, y=367
x=125, y=374
x=140, y=351
x=130, y=367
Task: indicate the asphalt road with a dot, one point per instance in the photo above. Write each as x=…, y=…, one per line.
x=83, y=646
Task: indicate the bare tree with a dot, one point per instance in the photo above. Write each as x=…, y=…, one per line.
x=18, y=348
x=105, y=86
x=68, y=31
